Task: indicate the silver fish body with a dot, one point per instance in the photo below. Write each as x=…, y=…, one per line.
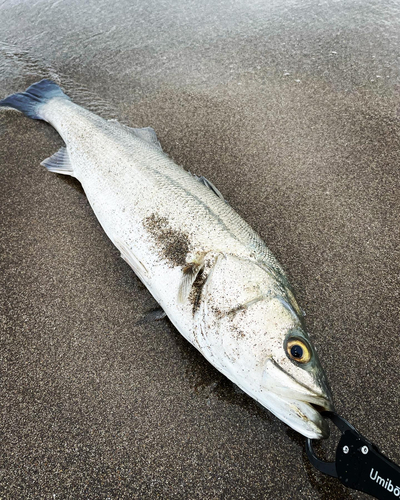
x=210, y=272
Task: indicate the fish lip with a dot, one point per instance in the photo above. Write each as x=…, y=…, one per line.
x=318, y=427
x=302, y=392
x=322, y=405
x=308, y=410
x=319, y=403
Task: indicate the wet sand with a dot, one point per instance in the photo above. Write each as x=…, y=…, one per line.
x=292, y=110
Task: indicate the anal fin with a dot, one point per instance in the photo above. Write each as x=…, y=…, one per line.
x=59, y=163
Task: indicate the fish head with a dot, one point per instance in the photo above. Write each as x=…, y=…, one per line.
x=296, y=384
x=252, y=330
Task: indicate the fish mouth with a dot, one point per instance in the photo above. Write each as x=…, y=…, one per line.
x=297, y=405
x=302, y=416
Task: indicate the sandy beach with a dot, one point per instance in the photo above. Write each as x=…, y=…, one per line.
x=292, y=110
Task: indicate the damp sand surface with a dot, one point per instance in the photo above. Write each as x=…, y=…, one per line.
x=292, y=110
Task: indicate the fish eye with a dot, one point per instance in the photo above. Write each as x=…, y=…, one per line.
x=298, y=351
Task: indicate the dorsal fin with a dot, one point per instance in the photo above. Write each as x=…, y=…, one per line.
x=210, y=185
x=146, y=133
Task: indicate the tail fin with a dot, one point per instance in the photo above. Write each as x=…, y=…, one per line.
x=30, y=101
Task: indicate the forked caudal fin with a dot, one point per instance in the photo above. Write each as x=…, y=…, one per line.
x=30, y=101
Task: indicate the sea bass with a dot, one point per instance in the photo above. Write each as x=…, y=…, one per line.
x=208, y=269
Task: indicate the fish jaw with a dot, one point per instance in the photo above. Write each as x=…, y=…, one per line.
x=296, y=404
x=299, y=415
x=293, y=402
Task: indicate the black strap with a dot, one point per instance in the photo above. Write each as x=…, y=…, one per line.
x=359, y=464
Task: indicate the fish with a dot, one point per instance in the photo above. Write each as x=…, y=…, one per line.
x=209, y=271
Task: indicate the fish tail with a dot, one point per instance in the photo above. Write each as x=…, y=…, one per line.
x=31, y=101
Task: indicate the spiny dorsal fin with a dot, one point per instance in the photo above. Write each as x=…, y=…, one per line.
x=59, y=163
x=146, y=133
x=210, y=185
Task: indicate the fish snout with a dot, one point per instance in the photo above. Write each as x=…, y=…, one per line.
x=297, y=404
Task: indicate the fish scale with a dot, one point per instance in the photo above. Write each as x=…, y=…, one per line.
x=208, y=269
x=163, y=179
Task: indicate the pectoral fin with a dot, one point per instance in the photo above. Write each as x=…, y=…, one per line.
x=190, y=273
x=195, y=275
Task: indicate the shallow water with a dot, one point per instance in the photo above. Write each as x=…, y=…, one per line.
x=292, y=110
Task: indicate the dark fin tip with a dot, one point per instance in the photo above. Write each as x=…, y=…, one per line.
x=29, y=102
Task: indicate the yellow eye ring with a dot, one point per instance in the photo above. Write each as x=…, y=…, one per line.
x=298, y=351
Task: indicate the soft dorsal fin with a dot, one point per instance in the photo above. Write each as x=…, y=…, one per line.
x=146, y=133
x=210, y=185
x=59, y=163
